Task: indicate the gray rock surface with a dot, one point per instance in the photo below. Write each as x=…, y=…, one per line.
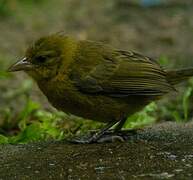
x=164, y=151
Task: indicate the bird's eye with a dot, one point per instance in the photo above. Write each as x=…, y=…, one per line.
x=41, y=59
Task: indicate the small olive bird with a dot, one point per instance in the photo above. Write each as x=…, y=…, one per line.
x=96, y=81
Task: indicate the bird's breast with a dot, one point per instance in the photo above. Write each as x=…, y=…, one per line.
x=65, y=97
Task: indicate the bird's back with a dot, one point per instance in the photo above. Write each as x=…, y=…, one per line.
x=103, y=70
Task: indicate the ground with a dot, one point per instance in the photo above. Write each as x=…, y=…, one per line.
x=163, y=151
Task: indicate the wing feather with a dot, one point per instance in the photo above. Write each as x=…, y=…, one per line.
x=123, y=74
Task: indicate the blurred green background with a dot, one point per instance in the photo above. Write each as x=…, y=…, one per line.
x=159, y=29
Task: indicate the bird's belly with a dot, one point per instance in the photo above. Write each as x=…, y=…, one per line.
x=98, y=108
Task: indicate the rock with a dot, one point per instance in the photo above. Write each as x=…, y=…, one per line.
x=162, y=151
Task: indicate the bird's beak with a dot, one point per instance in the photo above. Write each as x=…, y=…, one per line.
x=22, y=65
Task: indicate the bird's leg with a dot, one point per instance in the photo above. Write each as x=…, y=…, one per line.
x=95, y=137
x=106, y=135
x=116, y=134
x=120, y=124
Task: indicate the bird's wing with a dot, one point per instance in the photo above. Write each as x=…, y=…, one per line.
x=125, y=73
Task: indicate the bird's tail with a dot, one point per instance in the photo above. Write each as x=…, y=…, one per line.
x=177, y=76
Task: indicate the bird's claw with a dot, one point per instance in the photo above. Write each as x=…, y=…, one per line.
x=107, y=137
x=81, y=140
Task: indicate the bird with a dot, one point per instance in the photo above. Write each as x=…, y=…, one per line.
x=96, y=81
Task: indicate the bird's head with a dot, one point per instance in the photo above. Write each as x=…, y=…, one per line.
x=45, y=57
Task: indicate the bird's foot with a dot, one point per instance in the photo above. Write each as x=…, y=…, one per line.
x=91, y=140
x=93, y=137
x=82, y=140
x=108, y=137
x=119, y=136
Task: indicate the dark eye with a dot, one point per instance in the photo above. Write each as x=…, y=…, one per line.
x=41, y=59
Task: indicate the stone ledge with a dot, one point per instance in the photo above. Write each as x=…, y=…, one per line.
x=161, y=151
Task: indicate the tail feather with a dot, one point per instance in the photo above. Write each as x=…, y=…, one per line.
x=177, y=76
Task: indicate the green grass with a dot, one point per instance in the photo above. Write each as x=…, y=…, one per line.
x=142, y=118
x=35, y=124
x=32, y=123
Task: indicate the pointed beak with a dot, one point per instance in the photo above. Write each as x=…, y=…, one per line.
x=22, y=65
